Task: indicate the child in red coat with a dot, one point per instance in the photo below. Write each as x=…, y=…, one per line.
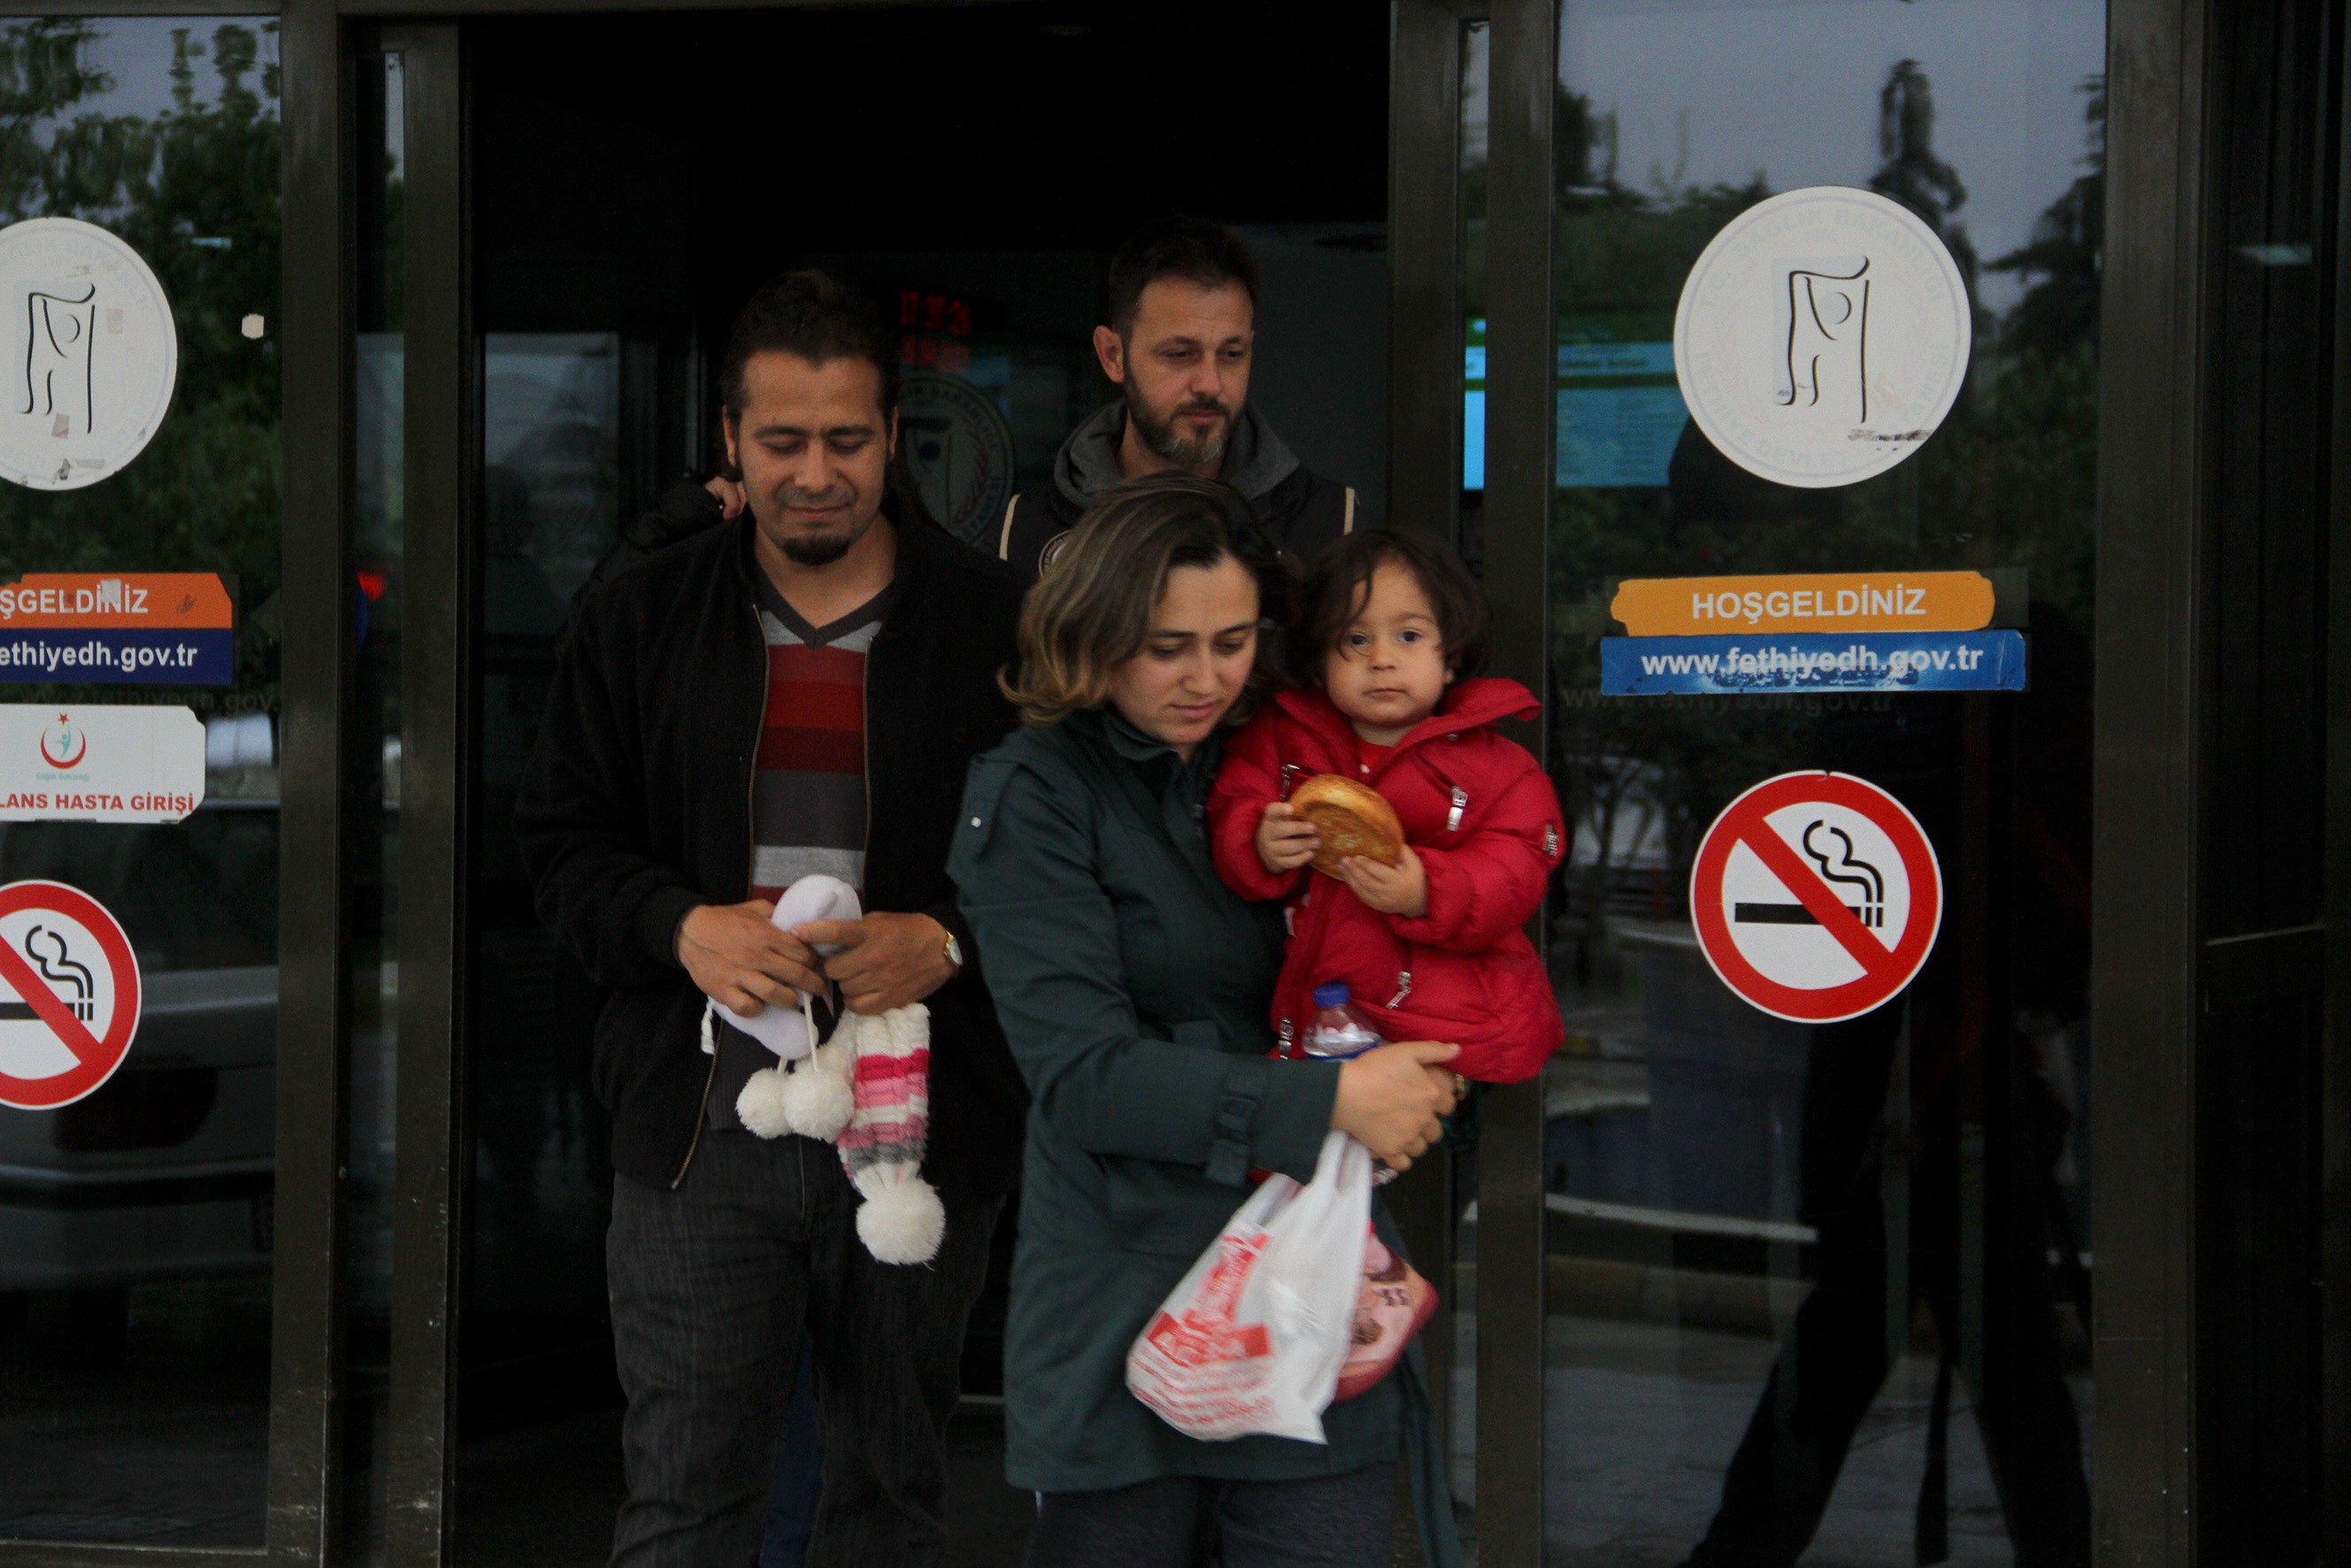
x=1430, y=948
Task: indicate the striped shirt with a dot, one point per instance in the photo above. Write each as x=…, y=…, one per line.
x=807, y=783
x=808, y=793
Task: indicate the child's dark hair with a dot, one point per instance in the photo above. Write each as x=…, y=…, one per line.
x=1339, y=585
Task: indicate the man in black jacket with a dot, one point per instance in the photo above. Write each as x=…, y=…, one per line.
x=797, y=691
x=1182, y=332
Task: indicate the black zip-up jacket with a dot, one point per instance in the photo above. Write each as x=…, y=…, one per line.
x=637, y=807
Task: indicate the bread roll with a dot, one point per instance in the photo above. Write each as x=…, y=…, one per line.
x=1352, y=820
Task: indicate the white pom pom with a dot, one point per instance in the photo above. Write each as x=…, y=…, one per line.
x=761, y=1103
x=817, y=1099
x=902, y=1222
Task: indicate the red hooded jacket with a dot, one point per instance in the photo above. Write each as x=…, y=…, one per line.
x=1485, y=824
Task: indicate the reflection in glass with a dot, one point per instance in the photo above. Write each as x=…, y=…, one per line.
x=550, y=511
x=1819, y=1293
x=136, y=1225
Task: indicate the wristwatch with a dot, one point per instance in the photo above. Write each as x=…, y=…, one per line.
x=954, y=952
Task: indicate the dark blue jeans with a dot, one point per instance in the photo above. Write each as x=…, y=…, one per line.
x=800, y=1458
x=712, y=1286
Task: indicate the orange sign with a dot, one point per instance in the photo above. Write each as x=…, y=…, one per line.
x=91, y=600
x=1825, y=601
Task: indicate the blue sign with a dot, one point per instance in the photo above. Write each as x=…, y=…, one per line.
x=1616, y=436
x=1812, y=662
x=190, y=656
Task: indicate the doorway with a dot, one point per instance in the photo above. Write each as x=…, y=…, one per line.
x=627, y=182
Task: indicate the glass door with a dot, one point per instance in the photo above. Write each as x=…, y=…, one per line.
x=1815, y=1278
x=588, y=249
x=166, y=1214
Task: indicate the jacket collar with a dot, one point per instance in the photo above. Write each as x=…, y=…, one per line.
x=1468, y=704
x=1256, y=459
x=1108, y=728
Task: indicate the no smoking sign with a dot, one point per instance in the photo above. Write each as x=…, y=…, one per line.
x=68, y=995
x=1816, y=896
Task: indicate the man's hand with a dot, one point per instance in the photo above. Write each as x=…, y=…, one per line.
x=1284, y=840
x=727, y=493
x=1401, y=889
x=886, y=960
x=741, y=962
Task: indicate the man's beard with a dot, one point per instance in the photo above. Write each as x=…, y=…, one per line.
x=1197, y=452
x=820, y=549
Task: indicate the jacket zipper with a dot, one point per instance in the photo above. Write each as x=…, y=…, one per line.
x=751, y=834
x=1460, y=805
x=865, y=759
x=1318, y=917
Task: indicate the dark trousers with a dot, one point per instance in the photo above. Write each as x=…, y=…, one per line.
x=800, y=1459
x=1324, y=1522
x=712, y=1285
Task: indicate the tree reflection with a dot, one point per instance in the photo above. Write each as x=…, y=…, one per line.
x=2009, y=481
x=1937, y=1126
x=194, y=188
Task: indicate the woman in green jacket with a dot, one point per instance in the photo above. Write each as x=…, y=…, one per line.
x=1134, y=988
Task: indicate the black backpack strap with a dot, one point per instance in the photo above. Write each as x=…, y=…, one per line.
x=1308, y=514
x=1004, y=535
x=1034, y=522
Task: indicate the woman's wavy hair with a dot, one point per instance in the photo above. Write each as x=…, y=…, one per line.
x=1091, y=610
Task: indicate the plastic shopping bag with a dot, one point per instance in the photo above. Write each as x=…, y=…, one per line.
x=1252, y=1340
x=1392, y=1305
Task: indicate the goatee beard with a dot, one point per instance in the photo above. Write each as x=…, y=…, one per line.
x=817, y=550
x=1198, y=454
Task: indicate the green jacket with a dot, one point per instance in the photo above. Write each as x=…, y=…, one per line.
x=1135, y=989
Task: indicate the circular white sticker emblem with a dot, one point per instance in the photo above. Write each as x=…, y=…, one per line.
x=1822, y=335
x=959, y=451
x=87, y=353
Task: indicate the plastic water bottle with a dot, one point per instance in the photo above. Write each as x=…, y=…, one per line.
x=1337, y=1031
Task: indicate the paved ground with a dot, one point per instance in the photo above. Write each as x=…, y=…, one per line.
x=164, y=1448
x=1644, y=1418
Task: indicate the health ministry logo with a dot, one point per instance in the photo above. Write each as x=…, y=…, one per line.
x=88, y=353
x=1821, y=337
x=64, y=744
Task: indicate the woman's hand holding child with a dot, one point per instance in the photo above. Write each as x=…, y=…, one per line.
x=1390, y=1098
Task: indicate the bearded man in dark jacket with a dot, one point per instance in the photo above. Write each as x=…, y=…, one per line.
x=800, y=690
x=1181, y=337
